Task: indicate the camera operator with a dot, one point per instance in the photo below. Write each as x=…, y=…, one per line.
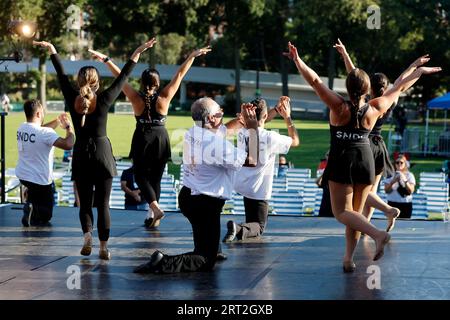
x=400, y=187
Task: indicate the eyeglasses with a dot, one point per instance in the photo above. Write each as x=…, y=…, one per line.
x=218, y=114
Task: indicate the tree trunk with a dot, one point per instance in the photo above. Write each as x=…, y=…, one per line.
x=284, y=77
x=42, y=83
x=237, y=76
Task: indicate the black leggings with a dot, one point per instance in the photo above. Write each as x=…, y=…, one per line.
x=41, y=197
x=85, y=189
x=149, y=180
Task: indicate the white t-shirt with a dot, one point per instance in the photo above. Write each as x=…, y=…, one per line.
x=209, y=163
x=394, y=196
x=35, y=145
x=256, y=182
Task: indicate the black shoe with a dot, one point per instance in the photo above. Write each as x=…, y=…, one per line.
x=221, y=256
x=148, y=222
x=231, y=233
x=27, y=213
x=153, y=265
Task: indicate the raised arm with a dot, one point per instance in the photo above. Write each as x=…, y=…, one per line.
x=349, y=66
x=166, y=95
x=271, y=114
x=52, y=124
x=113, y=91
x=417, y=63
x=133, y=95
x=284, y=109
x=67, y=142
x=383, y=103
x=333, y=100
x=68, y=91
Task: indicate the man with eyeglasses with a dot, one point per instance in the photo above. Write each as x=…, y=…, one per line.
x=209, y=164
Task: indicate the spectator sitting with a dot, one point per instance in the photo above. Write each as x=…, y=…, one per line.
x=400, y=187
x=133, y=199
x=283, y=167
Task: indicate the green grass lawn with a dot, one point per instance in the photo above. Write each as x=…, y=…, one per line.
x=314, y=140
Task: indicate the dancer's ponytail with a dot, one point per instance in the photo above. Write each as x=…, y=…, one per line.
x=88, y=83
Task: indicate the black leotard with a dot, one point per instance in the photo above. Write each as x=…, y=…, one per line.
x=379, y=150
x=350, y=159
x=150, y=149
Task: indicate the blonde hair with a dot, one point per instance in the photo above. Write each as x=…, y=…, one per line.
x=88, y=82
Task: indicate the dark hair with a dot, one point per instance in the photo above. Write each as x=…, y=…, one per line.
x=149, y=80
x=358, y=84
x=379, y=83
x=31, y=107
x=261, y=107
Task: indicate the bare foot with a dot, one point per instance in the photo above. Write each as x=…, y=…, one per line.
x=380, y=243
x=392, y=214
x=158, y=216
x=348, y=266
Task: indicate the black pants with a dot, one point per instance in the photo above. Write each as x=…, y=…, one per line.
x=203, y=212
x=405, y=208
x=149, y=180
x=41, y=197
x=256, y=212
x=85, y=187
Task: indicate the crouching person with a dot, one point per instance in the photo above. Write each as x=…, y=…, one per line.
x=209, y=164
x=35, y=143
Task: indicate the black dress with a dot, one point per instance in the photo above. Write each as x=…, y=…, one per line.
x=150, y=149
x=350, y=159
x=381, y=156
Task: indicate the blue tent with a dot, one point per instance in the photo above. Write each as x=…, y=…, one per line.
x=442, y=102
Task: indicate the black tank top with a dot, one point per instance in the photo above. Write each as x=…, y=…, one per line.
x=376, y=131
x=352, y=133
x=150, y=117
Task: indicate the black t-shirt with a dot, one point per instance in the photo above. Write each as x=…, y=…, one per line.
x=128, y=176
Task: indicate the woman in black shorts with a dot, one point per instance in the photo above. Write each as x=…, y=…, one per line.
x=383, y=166
x=351, y=169
x=150, y=147
x=93, y=163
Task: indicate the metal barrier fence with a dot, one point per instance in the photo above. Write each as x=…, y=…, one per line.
x=415, y=141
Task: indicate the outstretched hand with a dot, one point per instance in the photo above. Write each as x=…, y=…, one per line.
x=340, y=47
x=143, y=47
x=421, y=61
x=45, y=44
x=430, y=70
x=200, y=52
x=292, y=54
x=284, y=107
x=248, y=113
x=97, y=55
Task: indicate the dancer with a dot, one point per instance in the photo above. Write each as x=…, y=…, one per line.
x=210, y=162
x=150, y=147
x=93, y=163
x=383, y=166
x=36, y=142
x=255, y=183
x=351, y=170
